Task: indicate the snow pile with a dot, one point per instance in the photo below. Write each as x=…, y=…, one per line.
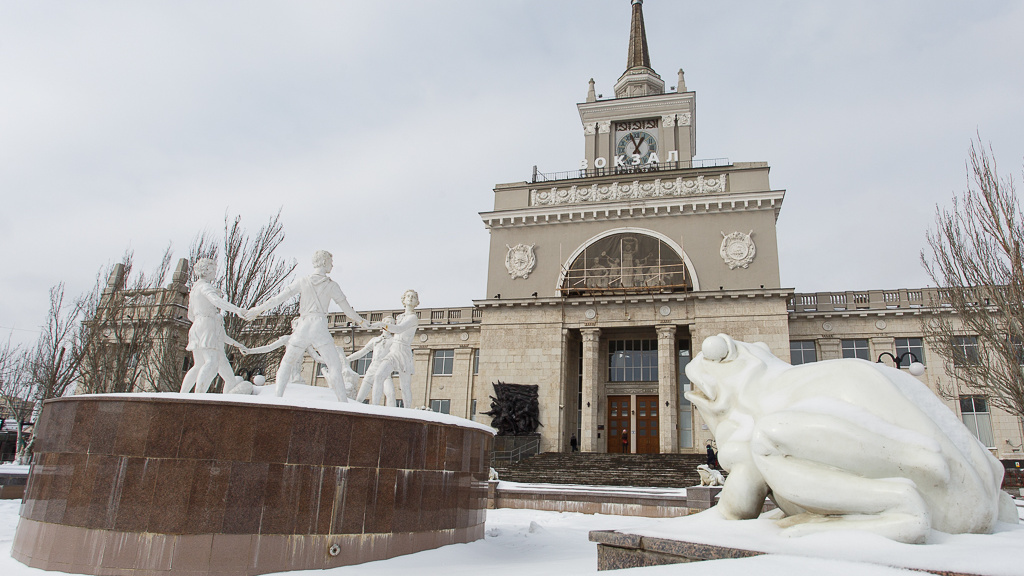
x=316, y=397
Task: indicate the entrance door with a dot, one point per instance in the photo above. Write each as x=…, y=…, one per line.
x=647, y=438
x=618, y=420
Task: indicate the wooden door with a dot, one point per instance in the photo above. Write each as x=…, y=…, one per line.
x=618, y=420
x=647, y=437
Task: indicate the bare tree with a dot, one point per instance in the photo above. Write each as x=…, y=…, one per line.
x=250, y=272
x=52, y=366
x=976, y=259
x=15, y=393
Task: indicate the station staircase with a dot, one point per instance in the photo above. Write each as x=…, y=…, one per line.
x=591, y=468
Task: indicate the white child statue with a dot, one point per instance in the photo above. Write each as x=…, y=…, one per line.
x=206, y=337
x=316, y=292
x=296, y=377
x=379, y=346
x=399, y=355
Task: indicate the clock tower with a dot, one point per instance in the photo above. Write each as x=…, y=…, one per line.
x=643, y=125
x=603, y=281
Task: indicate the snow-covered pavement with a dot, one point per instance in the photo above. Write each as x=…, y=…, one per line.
x=532, y=543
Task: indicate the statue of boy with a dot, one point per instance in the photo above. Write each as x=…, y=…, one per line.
x=379, y=346
x=316, y=292
x=206, y=337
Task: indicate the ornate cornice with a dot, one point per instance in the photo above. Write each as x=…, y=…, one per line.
x=634, y=190
x=631, y=208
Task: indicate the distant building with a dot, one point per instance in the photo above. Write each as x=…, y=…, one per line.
x=138, y=336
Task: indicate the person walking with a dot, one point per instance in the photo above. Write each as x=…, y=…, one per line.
x=625, y=441
x=574, y=444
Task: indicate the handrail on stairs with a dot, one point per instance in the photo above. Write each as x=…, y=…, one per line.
x=516, y=454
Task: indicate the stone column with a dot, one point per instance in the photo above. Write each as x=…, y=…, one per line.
x=831, y=348
x=463, y=361
x=668, y=389
x=421, y=360
x=604, y=145
x=590, y=138
x=591, y=363
x=668, y=137
x=566, y=412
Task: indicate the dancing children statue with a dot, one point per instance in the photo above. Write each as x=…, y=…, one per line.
x=206, y=337
x=379, y=346
x=399, y=356
x=316, y=292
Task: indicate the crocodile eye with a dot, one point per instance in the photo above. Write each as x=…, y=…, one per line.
x=715, y=348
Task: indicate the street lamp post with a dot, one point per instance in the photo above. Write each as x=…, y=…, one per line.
x=916, y=368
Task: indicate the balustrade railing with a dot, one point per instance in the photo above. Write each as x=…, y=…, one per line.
x=464, y=315
x=872, y=300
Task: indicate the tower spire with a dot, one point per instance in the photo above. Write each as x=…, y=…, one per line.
x=638, y=54
x=639, y=79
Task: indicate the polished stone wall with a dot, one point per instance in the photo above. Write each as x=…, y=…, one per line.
x=147, y=485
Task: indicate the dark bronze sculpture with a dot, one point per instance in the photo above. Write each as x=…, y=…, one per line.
x=515, y=410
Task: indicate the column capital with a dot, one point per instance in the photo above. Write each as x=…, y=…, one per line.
x=666, y=330
x=590, y=334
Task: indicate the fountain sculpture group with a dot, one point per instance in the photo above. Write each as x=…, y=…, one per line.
x=199, y=484
x=392, y=350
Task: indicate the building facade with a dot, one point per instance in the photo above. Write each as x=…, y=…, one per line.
x=603, y=282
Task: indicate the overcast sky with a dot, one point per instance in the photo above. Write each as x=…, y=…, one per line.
x=381, y=127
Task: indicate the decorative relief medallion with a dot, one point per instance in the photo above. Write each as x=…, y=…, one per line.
x=826, y=326
x=520, y=260
x=738, y=249
x=684, y=119
x=665, y=310
x=423, y=337
x=590, y=128
x=590, y=313
x=347, y=339
x=880, y=324
x=668, y=121
x=463, y=336
x=635, y=190
x=604, y=127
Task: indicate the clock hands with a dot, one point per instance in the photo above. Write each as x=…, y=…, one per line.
x=636, y=145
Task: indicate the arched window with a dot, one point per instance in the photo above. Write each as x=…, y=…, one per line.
x=626, y=263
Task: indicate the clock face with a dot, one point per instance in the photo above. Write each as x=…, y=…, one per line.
x=638, y=143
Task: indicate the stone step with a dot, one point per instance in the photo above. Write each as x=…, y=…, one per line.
x=653, y=470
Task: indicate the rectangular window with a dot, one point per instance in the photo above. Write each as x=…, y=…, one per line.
x=974, y=412
x=441, y=406
x=320, y=370
x=913, y=345
x=444, y=363
x=965, y=350
x=1018, y=348
x=476, y=361
x=472, y=409
x=400, y=403
x=633, y=360
x=362, y=364
x=802, y=352
x=856, y=349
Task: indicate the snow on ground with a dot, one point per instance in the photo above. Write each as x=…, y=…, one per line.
x=534, y=543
